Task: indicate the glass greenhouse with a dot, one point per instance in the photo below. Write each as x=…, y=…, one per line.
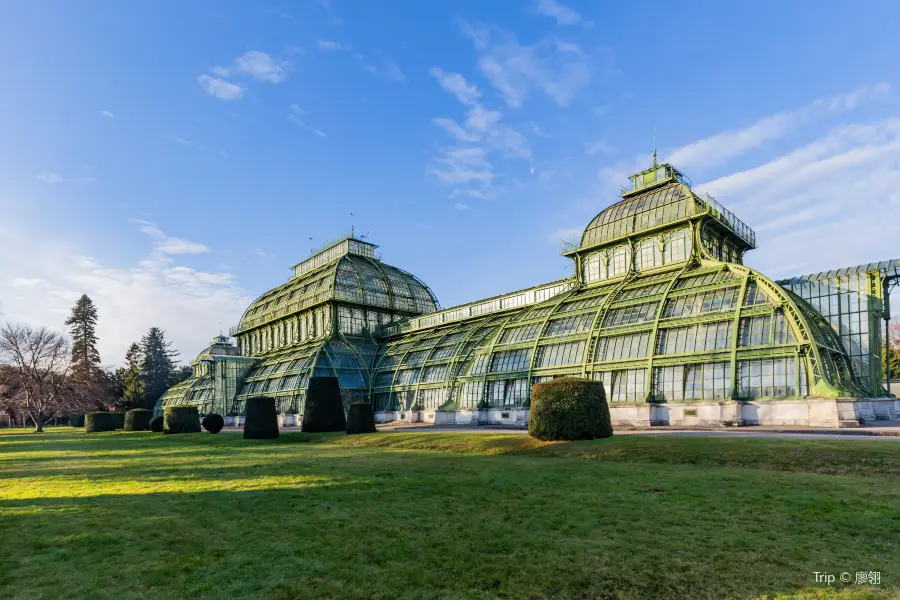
x=661, y=309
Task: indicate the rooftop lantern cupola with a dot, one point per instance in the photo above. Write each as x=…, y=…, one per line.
x=654, y=176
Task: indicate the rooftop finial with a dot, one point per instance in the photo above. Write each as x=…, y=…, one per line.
x=654, y=146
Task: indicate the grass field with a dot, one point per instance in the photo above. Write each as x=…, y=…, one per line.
x=418, y=515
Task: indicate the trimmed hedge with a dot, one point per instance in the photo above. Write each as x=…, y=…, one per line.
x=261, y=419
x=569, y=408
x=181, y=419
x=156, y=424
x=213, y=423
x=98, y=421
x=119, y=418
x=324, y=409
x=76, y=420
x=138, y=419
x=360, y=418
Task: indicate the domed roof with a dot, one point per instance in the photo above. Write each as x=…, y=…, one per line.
x=351, y=278
x=640, y=212
x=220, y=347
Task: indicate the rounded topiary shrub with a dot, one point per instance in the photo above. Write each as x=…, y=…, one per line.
x=360, y=418
x=569, y=409
x=100, y=421
x=214, y=423
x=156, y=424
x=138, y=419
x=181, y=419
x=324, y=409
x=76, y=420
x=260, y=419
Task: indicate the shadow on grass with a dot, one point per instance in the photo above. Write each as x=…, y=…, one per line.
x=374, y=522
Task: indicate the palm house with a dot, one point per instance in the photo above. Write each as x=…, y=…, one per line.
x=661, y=309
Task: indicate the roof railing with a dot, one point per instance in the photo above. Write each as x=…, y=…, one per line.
x=483, y=307
x=743, y=231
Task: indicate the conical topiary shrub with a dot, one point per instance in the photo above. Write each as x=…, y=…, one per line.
x=324, y=409
x=261, y=419
x=138, y=419
x=181, y=419
x=98, y=421
x=360, y=418
x=213, y=423
x=156, y=424
x=569, y=408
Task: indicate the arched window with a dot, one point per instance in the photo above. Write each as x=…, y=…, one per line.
x=678, y=247
x=647, y=254
x=619, y=261
x=594, y=268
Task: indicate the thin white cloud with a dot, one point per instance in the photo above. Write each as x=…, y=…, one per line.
x=306, y=126
x=281, y=14
x=332, y=46
x=50, y=178
x=389, y=71
x=108, y=114
x=221, y=89
x=256, y=65
x=166, y=244
x=332, y=18
x=460, y=206
x=457, y=85
x=724, y=146
x=601, y=146
x=44, y=276
x=556, y=68
x=563, y=14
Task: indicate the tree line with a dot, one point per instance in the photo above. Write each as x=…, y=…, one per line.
x=44, y=377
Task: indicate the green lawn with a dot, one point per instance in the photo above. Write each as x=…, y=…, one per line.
x=398, y=515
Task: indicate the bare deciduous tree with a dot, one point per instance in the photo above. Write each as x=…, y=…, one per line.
x=36, y=374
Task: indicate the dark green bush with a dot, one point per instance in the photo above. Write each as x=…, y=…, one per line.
x=324, y=409
x=76, y=420
x=138, y=419
x=213, y=423
x=119, y=418
x=360, y=418
x=569, y=409
x=261, y=419
x=95, y=422
x=181, y=419
x=156, y=424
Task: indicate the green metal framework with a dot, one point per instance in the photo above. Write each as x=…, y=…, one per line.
x=661, y=309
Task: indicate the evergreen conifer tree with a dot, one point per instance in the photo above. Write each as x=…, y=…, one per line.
x=157, y=366
x=132, y=383
x=83, y=329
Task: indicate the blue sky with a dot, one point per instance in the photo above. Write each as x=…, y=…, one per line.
x=173, y=159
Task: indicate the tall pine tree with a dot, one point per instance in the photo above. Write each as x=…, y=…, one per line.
x=132, y=383
x=83, y=329
x=157, y=366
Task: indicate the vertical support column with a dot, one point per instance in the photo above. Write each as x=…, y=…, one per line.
x=886, y=315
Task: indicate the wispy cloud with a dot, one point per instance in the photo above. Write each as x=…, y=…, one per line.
x=332, y=18
x=332, y=46
x=166, y=244
x=563, y=14
x=457, y=85
x=601, y=146
x=719, y=148
x=256, y=65
x=52, y=178
x=281, y=14
x=554, y=67
x=221, y=89
x=43, y=277
x=294, y=115
x=387, y=70
x=108, y=114
x=460, y=206
x=253, y=65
